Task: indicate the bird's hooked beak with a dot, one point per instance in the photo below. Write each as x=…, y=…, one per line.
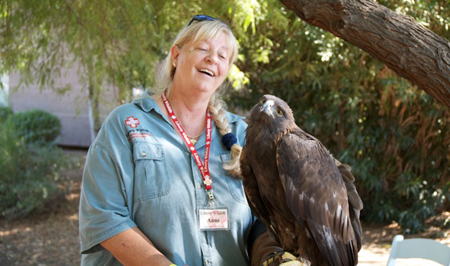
x=267, y=108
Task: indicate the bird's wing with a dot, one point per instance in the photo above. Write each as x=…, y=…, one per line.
x=315, y=193
x=256, y=202
x=354, y=200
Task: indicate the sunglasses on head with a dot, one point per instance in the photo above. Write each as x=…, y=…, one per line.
x=203, y=18
x=200, y=18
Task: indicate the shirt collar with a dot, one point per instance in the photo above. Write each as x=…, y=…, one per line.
x=147, y=104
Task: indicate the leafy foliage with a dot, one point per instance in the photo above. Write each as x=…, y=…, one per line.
x=28, y=174
x=395, y=137
x=5, y=112
x=36, y=126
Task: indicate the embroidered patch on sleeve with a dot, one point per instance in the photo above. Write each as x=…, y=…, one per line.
x=132, y=122
x=138, y=133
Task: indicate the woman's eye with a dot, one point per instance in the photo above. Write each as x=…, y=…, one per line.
x=279, y=112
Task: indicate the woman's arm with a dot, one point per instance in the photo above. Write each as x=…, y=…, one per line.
x=132, y=247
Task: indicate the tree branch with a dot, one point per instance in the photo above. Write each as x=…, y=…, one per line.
x=408, y=48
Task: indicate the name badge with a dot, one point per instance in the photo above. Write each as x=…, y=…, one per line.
x=213, y=219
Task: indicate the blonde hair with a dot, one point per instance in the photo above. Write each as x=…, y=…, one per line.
x=202, y=30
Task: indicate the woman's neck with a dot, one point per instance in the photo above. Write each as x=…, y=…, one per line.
x=190, y=110
x=188, y=104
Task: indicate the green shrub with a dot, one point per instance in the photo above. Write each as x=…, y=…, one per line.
x=37, y=126
x=5, y=112
x=29, y=176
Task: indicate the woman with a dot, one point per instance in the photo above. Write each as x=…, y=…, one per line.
x=157, y=188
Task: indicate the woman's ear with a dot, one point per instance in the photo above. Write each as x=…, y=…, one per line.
x=175, y=52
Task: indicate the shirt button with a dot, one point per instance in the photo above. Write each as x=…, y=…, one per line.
x=199, y=185
x=207, y=262
x=143, y=154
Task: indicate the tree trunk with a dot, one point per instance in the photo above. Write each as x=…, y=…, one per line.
x=94, y=112
x=398, y=41
x=4, y=90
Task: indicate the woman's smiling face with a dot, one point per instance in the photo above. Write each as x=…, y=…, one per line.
x=203, y=64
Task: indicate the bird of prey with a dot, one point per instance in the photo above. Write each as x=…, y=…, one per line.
x=305, y=198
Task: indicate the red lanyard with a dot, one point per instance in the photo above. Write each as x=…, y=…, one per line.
x=204, y=168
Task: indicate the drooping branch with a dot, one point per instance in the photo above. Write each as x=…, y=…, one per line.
x=408, y=48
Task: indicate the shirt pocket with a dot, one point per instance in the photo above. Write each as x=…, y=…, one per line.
x=234, y=184
x=151, y=177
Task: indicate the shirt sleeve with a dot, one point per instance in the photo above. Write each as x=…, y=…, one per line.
x=104, y=209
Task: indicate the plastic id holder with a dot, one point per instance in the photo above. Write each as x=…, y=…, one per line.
x=213, y=219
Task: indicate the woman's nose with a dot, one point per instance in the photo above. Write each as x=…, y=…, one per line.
x=212, y=58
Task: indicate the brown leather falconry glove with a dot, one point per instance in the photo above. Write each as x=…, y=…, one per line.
x=267, y=252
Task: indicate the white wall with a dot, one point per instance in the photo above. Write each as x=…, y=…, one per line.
x=72, y=108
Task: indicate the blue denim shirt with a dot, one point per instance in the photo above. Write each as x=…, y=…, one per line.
x=140, y=173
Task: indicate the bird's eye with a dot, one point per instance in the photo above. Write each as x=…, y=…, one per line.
x=279, y=112
x=262, y=101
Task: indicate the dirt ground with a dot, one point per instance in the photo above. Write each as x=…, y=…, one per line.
x=52, y=238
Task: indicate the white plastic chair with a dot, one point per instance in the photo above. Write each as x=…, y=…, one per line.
x=418, y=248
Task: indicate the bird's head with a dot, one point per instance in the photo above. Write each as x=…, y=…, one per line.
x=273, y=113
